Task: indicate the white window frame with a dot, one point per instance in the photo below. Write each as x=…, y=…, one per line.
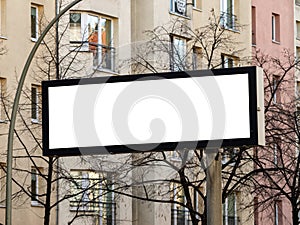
x=37, y=102
x=275, y=89
x=178, y=45
x=275, y=28
x=275, y=148
x=173, y=7
x=34, y=173
x=36, y=22
x=225, y=20
x=84, y=42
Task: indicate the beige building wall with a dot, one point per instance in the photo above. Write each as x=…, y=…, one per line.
x=15, y=38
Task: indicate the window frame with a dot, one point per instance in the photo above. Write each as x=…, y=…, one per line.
x=36, y=22
x=298, y=29
x=228, y=17
x=276, y=94
x=101, y=52
x=275, y=28
x=89, y=178
x=175, y=10
x=226, y=210
x=178, y=58
x=225, y=61
x=2, y=100
x=34, y=195
x=197, y=4
x=35, y=104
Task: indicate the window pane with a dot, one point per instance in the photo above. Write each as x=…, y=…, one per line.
x=75, y=27
x=34, y=102
x=34, y=185
x=33, y=22
x=106, y=36
x=178, y=6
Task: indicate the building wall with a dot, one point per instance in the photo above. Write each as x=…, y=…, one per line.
x=15, y=37
x=262, y=21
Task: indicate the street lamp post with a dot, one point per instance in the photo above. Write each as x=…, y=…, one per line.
x=8, y=200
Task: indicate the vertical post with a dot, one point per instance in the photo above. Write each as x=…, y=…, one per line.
x=214, y=189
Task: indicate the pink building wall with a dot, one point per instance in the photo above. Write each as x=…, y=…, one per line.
x=263, y=32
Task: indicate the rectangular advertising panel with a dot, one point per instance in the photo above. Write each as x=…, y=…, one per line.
x=153, y=112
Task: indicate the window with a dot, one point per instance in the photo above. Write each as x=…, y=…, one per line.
x=253, y=25
x=228, y=61
x=34, y=22
x=178, y=7
x=197, y=56
x=297, y=2
x=94, y=35
x=228, y=17
x=178, y=48
x=2, y=16
x=298, y=53
x=275, y=28
x=275, y=154
x=197, y=4
x=34, y=186
x=278, y=213
x=35, y=103
x=75, y=28
x=229, y=154
x=230, y=210
x=298, y=29
x=93, y=193
x=275, y=89
x=179, y=214
x=2, y=99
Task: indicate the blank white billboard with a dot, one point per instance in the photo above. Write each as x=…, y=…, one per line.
x=151, y=112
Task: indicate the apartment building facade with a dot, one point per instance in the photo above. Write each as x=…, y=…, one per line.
x=108, y=38
x=272, y=29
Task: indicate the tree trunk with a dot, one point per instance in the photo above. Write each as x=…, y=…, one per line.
x=48, y=193
x=295, y=212
x=187, y=194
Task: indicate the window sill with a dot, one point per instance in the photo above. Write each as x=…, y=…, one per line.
x=35, y=204
x=276, y=42
x=197, y=9
x=176, y=14
x=34, y=39
x=3, y=121
x=3, y=37
x=106, y=71
x=34, y=121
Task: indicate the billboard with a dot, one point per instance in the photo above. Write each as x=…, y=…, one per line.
x=153, y=112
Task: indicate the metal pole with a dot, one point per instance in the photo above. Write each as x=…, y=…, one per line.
x=214, y=190
x=8, y=200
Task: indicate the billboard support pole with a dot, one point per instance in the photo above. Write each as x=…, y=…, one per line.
x=214, y=189
x=8, y=200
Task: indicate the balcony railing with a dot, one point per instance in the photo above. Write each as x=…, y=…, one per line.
x=229, y=21
x=103, y=56
x=179, y=217
x=230, y=220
